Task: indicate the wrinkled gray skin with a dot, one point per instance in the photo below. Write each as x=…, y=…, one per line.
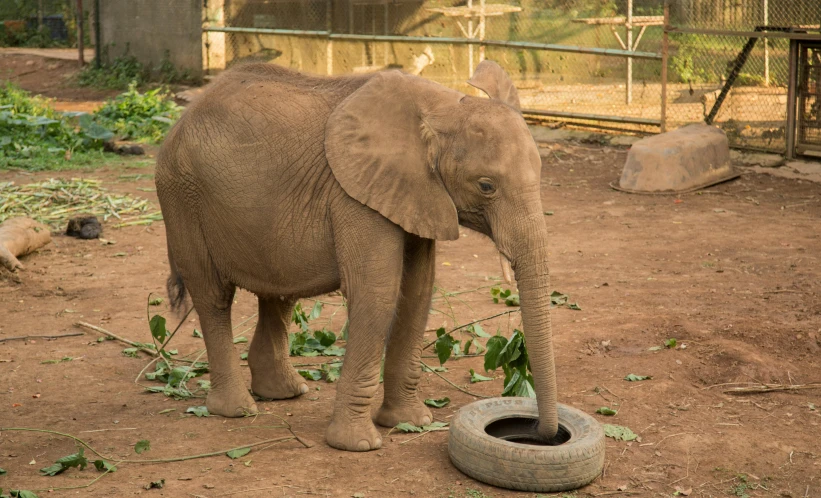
x=291, y=186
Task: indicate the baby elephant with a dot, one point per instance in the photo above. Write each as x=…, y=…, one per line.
x=292, y=186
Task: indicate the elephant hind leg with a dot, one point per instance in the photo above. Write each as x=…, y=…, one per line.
x=212, y=296
x=272, y=375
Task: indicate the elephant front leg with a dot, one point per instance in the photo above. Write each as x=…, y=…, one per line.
x=402, y=359
x=371, y=278
x=272, y=375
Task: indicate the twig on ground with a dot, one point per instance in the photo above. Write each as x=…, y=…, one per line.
x=26, y=337
x=508, y=312
x=115, y=336
x=120, y=429
x=451, y=383
x=674, y=435
x=769, y=388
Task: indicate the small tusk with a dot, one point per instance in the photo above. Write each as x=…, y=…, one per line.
x=507, y=271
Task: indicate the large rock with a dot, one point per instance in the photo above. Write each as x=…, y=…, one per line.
x=687, y=158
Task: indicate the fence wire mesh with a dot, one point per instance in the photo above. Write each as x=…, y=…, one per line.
x=745, y=42
x=561, y=70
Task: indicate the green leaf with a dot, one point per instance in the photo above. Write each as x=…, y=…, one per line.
x=52, y=470
x=156, y=301
x=243, y=356
x=495, y=345
x=197, y=333
x=557, y=298
x=548, y=213
x=325, y=337
x=240, y=340
x=333, y=351
x=619, y=432
x=130, y=352
x=199, y=411
x=167, y=410
x=311, y=374
x=407, y=427
x=474, y=377
x=443, y=345
x=332, y=371
x=426, y=368
x=438, y=403
x=478, y=331
x=2, y=472
x=22, y=493
x=102, y=465
x=636, y=378
x=157, y=326
x=315, y=311
x=606, y=411
x=435, y=426
x=670, y=343
x=142, y=446
x=519, y=385
x=238, y=453
x=574, y=306
x=655, y=348
x=74, y=460
x=512, y=300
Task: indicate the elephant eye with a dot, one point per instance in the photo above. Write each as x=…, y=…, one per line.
x=486, y=187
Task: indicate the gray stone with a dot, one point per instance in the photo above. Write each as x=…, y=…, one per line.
x=689, y=157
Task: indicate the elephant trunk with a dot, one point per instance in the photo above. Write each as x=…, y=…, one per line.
x=529, y=259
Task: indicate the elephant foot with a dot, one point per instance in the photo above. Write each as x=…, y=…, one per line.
x=353, y=434
x=278, y=385
x=230, y=401
x=415, y=412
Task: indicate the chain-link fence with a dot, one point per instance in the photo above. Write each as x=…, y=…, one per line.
x=568, y=57
x=729, y=65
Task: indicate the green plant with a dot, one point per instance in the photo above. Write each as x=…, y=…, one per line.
x=511, y=356
x=166, y=72
x=117, y=75
x=31, y=128
x=140, y=116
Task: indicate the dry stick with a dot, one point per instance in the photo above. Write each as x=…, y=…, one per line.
x=451, y=383
x=115, y=336
x=768, y=388
x=293, y=437
x=471, y=323
x=26, y=337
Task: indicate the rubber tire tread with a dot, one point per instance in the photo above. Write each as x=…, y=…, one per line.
x=524, y=467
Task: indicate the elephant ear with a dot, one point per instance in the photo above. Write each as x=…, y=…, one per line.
x=490, y=78
x=383, y=146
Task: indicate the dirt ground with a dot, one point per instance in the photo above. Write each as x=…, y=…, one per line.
x=732, y=273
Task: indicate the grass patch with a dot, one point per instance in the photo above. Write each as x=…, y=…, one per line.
x=144, y=117
x=117, y=75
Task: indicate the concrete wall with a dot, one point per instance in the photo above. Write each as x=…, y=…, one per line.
x=147, y=29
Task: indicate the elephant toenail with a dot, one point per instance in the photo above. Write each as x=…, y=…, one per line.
x=303, y=388
x=363, y=445
x=377, y=444
x=425, y=420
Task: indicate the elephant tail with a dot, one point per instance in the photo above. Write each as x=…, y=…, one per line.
x=175, y=285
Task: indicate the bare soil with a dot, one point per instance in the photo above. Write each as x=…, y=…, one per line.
x=53, y=78
x=732, y=273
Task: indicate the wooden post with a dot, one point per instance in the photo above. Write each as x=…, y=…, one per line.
x=629, y=25
x=80, y=34
x=665, y=49
x=482, y=21
x=470, y=46
x=766, y=46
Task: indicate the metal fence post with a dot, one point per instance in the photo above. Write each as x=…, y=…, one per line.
x=629, y=26
x=664, y=54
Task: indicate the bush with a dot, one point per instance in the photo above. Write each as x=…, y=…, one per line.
x=30, y=128
x=117, y=75
x=139, y=116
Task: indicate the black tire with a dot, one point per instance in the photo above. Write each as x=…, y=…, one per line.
x=528, y=467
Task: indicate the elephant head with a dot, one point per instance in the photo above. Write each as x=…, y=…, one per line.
x=430, y=158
